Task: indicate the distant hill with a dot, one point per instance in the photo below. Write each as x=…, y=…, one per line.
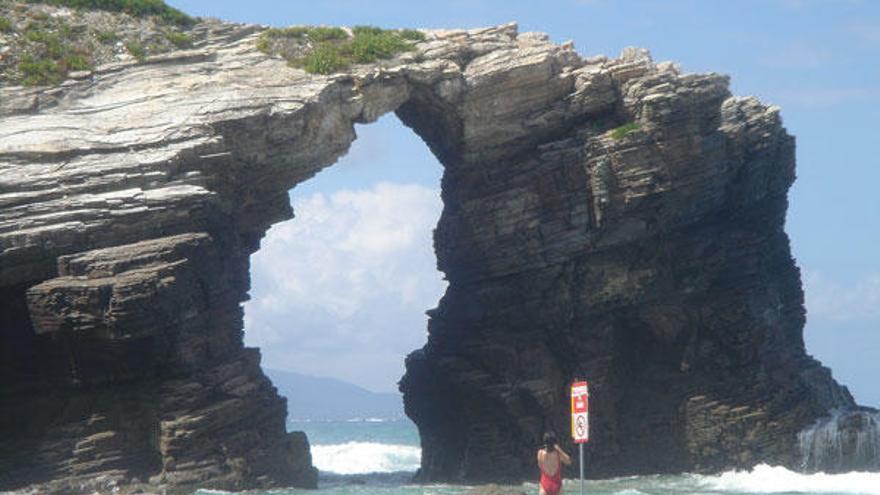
x=318, y=398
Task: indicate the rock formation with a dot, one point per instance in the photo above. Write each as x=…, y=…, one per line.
x=650, y=259
x=848, y=440
x=608, y=218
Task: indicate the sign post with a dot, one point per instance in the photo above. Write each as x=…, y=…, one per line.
x=580, y=420
x=581, y=460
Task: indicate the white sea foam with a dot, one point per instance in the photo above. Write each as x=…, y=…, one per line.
x=365, y=457
x=370, y=420
x=362, y=458
x=775, y=479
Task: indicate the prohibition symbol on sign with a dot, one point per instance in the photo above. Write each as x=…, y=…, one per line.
x=580, y=412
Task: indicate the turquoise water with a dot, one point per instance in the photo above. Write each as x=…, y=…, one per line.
x=380, y=457
x=361, y=447
x=394, y=432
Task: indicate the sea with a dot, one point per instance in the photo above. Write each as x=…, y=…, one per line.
x=373, y=456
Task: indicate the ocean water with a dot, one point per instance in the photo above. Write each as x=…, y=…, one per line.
x=363, y=446
x=379, y=457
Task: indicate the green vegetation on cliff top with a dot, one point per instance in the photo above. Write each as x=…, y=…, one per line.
x=325, y=50
x=46, y=47
x=136, y=8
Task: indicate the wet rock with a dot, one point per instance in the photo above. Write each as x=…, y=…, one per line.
x=847, y=440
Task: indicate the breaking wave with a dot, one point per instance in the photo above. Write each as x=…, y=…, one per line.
x=365, y=457
x=775, y=479
x=762, y=480
x=342, y=465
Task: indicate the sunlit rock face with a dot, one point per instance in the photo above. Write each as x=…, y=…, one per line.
x=617, y=220
x=612, y=219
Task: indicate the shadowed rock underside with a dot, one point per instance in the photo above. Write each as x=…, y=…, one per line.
x=608, y=218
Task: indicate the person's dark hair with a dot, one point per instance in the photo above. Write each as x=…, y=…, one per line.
x=549, y=440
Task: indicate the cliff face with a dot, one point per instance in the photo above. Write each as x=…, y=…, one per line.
x=607, y=218
x=650, y=259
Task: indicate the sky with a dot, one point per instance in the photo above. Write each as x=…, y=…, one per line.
x=353, y=309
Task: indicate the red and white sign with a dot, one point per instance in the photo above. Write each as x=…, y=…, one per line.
x=580, y=412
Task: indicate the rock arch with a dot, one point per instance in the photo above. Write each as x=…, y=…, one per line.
x=608, y=217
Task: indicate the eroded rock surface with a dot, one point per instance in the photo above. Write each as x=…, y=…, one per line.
x=648, y=257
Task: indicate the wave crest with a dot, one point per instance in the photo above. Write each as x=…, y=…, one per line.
x=775, y=479
x=365, y=457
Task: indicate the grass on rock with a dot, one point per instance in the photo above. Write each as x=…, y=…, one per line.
x=325, y=50
x=620, y=132
x=136, y=8
x=412, y=35
x=107, y=36
x=45, y=47
x=50, y=57
x=178, y=39
x=324, y=59
x=321, y=34
x=136, y=49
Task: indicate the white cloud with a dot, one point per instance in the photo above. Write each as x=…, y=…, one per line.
x=341, y=290
x=832, y=300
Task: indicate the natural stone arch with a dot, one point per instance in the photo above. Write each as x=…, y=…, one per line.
x=644, y=256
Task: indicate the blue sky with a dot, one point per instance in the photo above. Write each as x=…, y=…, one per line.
x=817, y=59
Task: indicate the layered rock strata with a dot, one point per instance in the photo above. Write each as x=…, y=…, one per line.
x=608, y=218
x=650, y=260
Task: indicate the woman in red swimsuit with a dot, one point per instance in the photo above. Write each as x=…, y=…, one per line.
x=550, y=461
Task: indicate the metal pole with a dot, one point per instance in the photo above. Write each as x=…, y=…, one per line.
x=581, y=452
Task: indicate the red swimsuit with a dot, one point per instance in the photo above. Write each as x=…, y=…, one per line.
x=552, y=484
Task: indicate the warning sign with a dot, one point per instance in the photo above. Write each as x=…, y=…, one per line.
x=580, y=412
